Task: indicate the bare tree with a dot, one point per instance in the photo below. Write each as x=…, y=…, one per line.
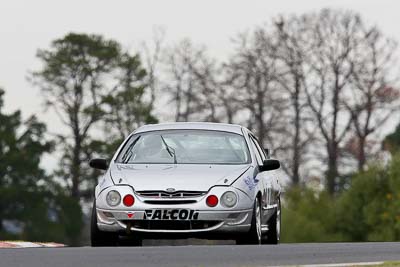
x=331, y=62
x=252, y=73
x=153, y=52
x=375, y=96
x=226, y=93
x=307, y=85
x=129, y=105
x=192, y=83
x=290, y=50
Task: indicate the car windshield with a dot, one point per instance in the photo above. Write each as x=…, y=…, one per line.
x=185, y=147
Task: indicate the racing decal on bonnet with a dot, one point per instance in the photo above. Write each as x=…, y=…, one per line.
x=171, y=214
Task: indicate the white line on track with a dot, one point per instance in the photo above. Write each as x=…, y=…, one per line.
x=348, y=264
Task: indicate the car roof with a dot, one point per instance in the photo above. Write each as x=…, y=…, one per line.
x=233, y=128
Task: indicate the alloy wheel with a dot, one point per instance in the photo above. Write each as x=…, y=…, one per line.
x=258, y=221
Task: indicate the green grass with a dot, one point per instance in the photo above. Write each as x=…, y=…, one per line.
x=389, y=264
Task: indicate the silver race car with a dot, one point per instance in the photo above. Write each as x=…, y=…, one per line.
x=180, y=180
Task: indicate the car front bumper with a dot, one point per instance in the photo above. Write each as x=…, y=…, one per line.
x=206, y=222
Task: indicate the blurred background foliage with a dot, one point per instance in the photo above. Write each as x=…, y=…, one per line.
x=32, y=205
x=368, y=211
x=318, y=89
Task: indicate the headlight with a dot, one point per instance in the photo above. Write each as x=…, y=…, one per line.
x=113, y=198
x=229, y=199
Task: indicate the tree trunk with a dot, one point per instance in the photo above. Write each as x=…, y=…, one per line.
x=178, y=104
x=296, y=139
x=259, y=115
x=332, y=143
x=188, y=110
x=75, y=168
x=229, y=113
x=75, y=160
x=332, y=172
x=361, y=153
x=260, y=125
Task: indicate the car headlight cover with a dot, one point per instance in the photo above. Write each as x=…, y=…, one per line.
x=113, y=198
x=229, y=199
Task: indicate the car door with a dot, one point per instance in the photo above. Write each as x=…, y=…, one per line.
x=266, y=179
x=261, y=178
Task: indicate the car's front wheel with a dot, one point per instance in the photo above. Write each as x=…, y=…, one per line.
x=99, y=238
x=274, y=227
x=253, y=237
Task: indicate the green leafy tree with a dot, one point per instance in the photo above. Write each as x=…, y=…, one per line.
x=92, y=84
x=74, y=79
x=32, y=206
x=130, y=106
x=308, y=216
x=370, y=209
x=392, y=141
x=367, y=211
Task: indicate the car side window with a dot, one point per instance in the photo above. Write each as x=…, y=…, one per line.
x=256, y=151
x=260, y=150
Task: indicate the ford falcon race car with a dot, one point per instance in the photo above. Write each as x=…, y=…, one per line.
x=180, y=180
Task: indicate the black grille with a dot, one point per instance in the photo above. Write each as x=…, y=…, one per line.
x=171, y=224
x=177, y=194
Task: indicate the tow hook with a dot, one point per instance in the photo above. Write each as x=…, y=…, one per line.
x=128, y=228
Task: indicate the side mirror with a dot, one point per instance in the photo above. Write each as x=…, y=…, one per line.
x=269, y=165
x=100, y=164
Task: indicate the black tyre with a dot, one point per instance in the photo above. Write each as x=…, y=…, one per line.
x=253, y=237
x=274, y=227
x=99, y=238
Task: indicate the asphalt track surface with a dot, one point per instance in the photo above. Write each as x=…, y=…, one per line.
x=204, y=255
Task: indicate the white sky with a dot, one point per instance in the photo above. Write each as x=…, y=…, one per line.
x=28, y=25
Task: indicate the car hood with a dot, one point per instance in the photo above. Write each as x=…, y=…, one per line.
x=180, y=177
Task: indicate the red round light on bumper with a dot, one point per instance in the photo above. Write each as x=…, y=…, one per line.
x=128, y=200
x=212, y=201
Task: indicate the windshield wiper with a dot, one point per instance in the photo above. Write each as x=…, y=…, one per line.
x=128, y=154
x=170, y=150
